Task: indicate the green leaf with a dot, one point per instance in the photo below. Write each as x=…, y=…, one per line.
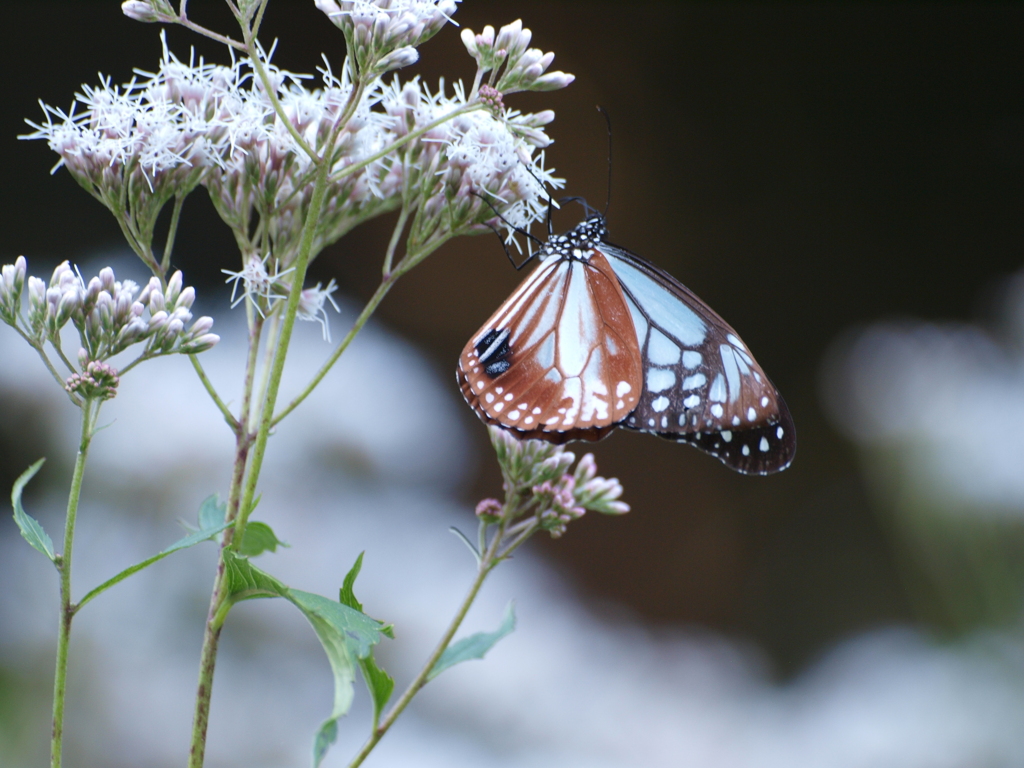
x=212, y=512
x=209, y=528
x=348, y=636
x=347, y=596
x=259, y=538
x=475, y=646
x=244, y=581
x=30, y=528
x=379, y=683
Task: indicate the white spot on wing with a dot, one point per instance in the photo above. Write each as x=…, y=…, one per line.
x=660, y=379
x=751, y=414
x=746, y=450
x=660, y=404
x=732, y=371
x=622, y=388
x=716, y=411
x=692, y=401
x=692, y=382
x=692, y=359
x=727, y=435
x=763, y=445
x=661, y=350
x=717, y=391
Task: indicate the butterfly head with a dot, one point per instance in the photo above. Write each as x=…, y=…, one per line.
x=577, y=242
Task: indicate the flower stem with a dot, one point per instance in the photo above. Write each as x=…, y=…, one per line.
x=371, y=306
x=490, y=559
x=90, y=409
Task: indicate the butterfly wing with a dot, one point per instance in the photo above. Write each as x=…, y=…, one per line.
x=701, y=385
x=558, y=360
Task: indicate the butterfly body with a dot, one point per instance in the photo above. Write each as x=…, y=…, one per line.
x=596, y=337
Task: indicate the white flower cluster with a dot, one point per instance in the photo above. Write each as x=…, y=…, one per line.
x=383, y=35
x=110, y=315
x=471, y=164
x=524, y=67
x=539, y=471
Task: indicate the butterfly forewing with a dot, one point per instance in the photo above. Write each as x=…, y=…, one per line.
x=701, y=384
x=559, y=359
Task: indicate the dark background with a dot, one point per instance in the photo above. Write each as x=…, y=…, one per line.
x=803, y=168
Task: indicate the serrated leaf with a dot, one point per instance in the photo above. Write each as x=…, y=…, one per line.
x=475, y=646
x=259, y=538
x=378, y=682
x=31, y=530
x=244, y=581
x=348, y=636
x=212, y=512
x=346, y=596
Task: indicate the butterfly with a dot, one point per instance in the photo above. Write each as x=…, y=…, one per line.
x=597, y=338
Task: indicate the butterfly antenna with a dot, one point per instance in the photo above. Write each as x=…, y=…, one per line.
x=587, y=210
x=608, y=122
x=514, y=228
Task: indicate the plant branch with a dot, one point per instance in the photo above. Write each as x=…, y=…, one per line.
x=371, y=306
x=172, y=231
x=487, y=563
x=221, y=405
x=90, y=411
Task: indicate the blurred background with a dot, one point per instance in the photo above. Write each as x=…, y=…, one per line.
x=843, y=183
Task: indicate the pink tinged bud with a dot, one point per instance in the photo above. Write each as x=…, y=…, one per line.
x=137, y=309
x=552, y=81
x=486, y=37
x=83, y=357
x=508, y=34
x=175, y=327
x=58, y=273
x=36, y=293
x=201, y=326
x=173, y=287
x=156, y=301
x=402, y=57
x=586, y=469
x=107, y=279
x=489, y=510
x=157, y=320
x=95, y=286
x=186, y=299
x=69, y=302
x=141, y=10
x=203, y=343
x=469, y=40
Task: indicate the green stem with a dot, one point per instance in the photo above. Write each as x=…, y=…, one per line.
x=172, y=232
x=67, y=608
x=371, y=306
x=487, y=563
x=221, y=405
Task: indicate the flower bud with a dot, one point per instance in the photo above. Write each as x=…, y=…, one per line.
x=107, y=280
x=203, y=343
x=186, y=299
x=173, y=288
x=201, y=326
x=148, y=11
x=156, y=301
x=402, y=57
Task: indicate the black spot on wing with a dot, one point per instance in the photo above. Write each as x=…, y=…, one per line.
x=493, y=352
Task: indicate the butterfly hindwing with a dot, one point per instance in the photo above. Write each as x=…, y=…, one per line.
x=701, y=383
x=558, y=360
